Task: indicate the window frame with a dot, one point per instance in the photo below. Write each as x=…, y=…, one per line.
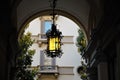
x=43, y=32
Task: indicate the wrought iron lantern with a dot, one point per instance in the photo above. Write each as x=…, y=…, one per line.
x=54, y=37
x=54, y=42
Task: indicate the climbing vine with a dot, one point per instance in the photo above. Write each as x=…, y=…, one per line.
x=82, y=70
x=81, y=44
x=81, y=41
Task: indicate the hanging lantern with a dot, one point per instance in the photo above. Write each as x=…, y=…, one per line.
x=53, y=37
x=53, y=42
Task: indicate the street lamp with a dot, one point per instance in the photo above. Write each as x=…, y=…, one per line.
x=54, y=37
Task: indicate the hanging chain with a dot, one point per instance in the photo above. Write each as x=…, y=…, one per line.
x=53, y=5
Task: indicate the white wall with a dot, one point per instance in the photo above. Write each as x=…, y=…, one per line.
x=36, y=57
x=65, y=77
x=71, y=57
x=34, y=27
x=67, y=26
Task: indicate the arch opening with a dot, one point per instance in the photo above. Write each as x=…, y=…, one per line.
x=48, y=12
x=66, y=47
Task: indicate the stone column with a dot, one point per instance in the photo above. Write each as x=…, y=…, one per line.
x=92, y=76
x=14, y=52
x=118, y=62
x=3, y=51
x=103, y=71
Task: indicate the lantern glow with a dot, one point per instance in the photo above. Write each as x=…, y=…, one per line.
x=54, y=44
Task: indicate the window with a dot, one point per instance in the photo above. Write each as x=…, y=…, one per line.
x=47, y=63
x=46, y=25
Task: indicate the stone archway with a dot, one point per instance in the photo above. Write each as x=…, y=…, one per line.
x=26, y=11
x=69, y=47
x=59, y=12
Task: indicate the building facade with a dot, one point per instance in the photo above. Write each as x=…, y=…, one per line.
x=60, y=68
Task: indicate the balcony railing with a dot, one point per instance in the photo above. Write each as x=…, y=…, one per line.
x=48, y=69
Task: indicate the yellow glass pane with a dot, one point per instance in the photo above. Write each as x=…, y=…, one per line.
x=57, y=43
x=54, y=43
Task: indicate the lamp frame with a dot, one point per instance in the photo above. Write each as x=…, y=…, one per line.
x=54, y=33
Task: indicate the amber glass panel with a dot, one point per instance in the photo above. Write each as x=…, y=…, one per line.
x=54, y=44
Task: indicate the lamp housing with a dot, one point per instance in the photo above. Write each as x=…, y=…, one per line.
x=54, y=42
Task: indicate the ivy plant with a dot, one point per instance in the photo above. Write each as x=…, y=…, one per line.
x=81, y=44
x=81, y=41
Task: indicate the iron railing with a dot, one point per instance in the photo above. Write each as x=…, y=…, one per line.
x=49, y=69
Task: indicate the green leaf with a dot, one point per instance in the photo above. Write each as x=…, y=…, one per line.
x=81, y=41
x=24, y=60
